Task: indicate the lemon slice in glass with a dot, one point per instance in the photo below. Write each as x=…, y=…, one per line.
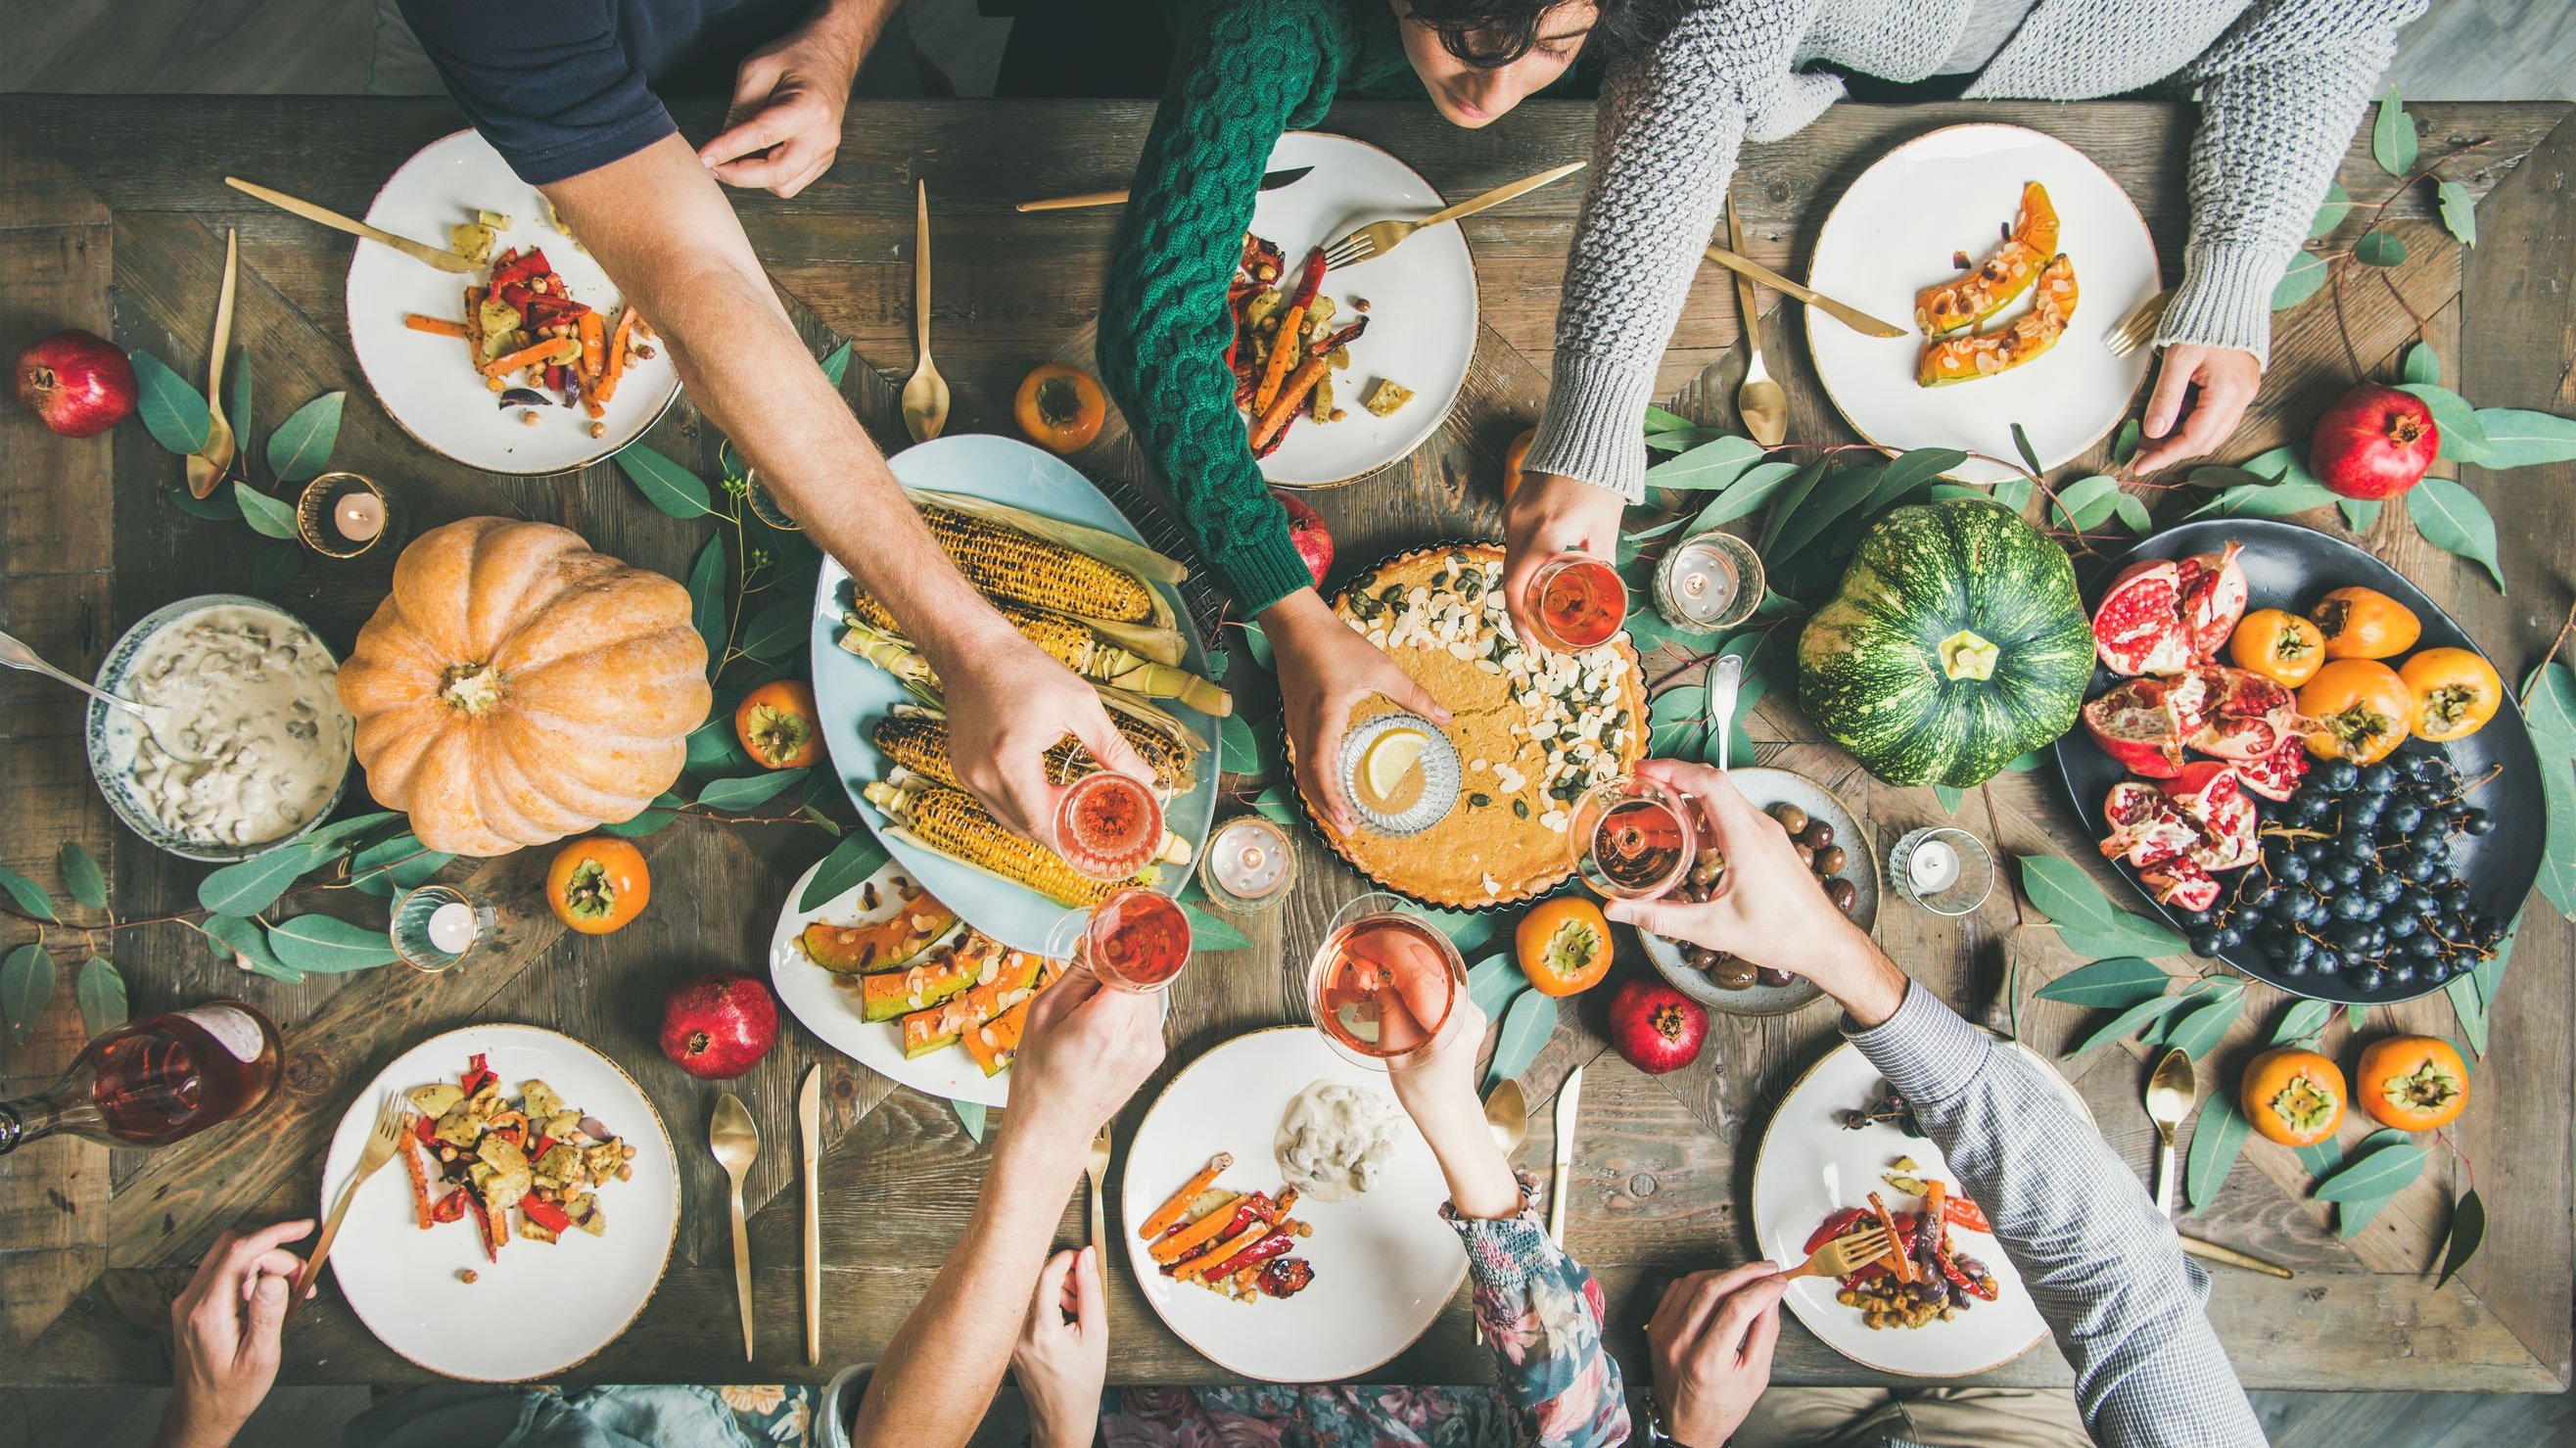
x=1390, y=760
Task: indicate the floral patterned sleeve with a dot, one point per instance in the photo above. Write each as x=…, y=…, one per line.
x=1542, y=1315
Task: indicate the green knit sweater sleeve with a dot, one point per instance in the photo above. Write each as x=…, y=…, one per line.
x=1258, y=68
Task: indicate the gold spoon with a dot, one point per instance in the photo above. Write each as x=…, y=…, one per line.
x=1759, y=404
x=2172, y=1091
x=207, y=466
x=925, y=396
x=736, y=1142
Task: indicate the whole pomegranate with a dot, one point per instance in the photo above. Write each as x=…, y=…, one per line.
x=719, y=1026
x=1656, y=1028
x=2375, y=442
x=77, y=383
x=1314, y=541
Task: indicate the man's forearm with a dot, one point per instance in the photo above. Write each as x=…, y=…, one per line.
x=940, y=1371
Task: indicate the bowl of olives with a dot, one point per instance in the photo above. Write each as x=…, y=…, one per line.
x=1839, y=854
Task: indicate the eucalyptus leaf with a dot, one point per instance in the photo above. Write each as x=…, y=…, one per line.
x=2420, y=364
x=328, y=944
x=2354, y=1013
x=742, y=792
x=2320, y=1157
x=2338, y=205
x=300, y=449
x=1238, y=751
x=2196, y=1034
x=2304, y=1019
x=1745, y=496
x=2469, y=1007
x=780, y=630
x=2468, y=1231
x=652, y=819
x=1526, y=1028
x=214, y=507
x=1658, y=420
x=2518, y=437
x=400, y=863
x=970, y=1114
x=2218, y=475
x=2360, y=514
x=2124, y=443
x=2119, y=982
x=2379, y=248
x=2086, y=920
x=1259, y=644
x=1789, y=500
x=2459, y=211
x=2087, y=503
x=1492, y=982
x=1272, y=804
x=26, y=983
x=173, y=412
x=1949, y=795
x=83, y=880
x=249, y=947
x=2463, y=436
x=1710, y=465
x=276, y=566
x=714, y=747
x=2216, y=1140
x=2452, y=519
x=100, y=993
x=2128, y=1021
x=2392, y=135
x=2306, y=274
x=664, y=483
x=2353, y=1216
x=1208, y=932
x=1840, y=491
x=836, y=365
x=2024, y=763
x=707, y=601
x=2271, y=465
x=1684, y=439
x=253, y=885
x=2015, y=493
x=2375, y=1174
x=2029, y=455
x=266, y=515
x=2265, y=500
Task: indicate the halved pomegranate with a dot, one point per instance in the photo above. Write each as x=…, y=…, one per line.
x=2211, y=795
x=2213, y=598
x=2147, y=827
x=2143, y=722
x=2180, y=884
x=2244, y=715
x=2276, y=775
x=2138, y=629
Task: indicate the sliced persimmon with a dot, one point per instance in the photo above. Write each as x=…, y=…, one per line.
x=1968, y=300
x=1965, y=359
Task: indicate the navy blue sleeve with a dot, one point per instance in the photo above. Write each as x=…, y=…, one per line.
x=548, y=84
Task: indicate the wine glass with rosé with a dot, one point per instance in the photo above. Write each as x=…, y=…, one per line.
x=1135, y=940
x=1385, y=984
x=1107, y=825
x=1575, y=601
x=1632, y=838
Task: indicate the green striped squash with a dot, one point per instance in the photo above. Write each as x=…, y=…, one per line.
x=1956, y=642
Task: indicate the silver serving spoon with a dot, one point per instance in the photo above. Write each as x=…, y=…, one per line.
x=1725, y=680
x=15, y=654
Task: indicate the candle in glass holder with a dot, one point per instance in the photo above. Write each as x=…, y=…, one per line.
x=343, y=515
x=1709, y=582
x=359, y=516
x=1248, y=862
x=1932, y=868
x=451, y=927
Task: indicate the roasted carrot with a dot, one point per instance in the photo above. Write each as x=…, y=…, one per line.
x=536, y=354
x=1898, y=1264
x=1283, y=350
x=1176, y=1246
x=1178, y=1202
x=1223, y=1251
x=594, y=347
x=615, y=367
x=436, y=326
x=419, y=1179
x=1270, y=420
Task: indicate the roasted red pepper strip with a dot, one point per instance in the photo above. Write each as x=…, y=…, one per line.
x=529, y=263
x=546, y=1214
x=1268, y=1247
x=486, y=1222
x=1834, y=1226
x=1958, y=1211
x=450, y=1207
x=1309, y=282
x=477, y=1075
x=425, y=1129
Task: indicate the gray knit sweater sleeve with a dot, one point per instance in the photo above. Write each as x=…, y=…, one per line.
x=1665, y=145
x=2281, y=93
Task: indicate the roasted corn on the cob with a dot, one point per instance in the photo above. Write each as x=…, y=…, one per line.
x=1005, y=562
x=954, y=823
x=918, y=740
x=1072, y=643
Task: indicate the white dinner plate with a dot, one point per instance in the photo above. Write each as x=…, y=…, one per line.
x=543, y=1308
x=1809, y=1166
x=1422, y=304
x=1385, y=1264
x=853, y=694
x=427, y=382
x=1895, y=231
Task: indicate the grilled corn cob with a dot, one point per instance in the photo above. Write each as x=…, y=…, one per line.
x=1071, y=643
x=918, y=740
x=1007, y=563
x=953, y=823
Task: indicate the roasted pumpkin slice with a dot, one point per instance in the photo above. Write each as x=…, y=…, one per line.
x=939, y=1027
x=995, y=1042
x=1968, y=300
x=1985, y=354
x=943, y=973
x=883, y=945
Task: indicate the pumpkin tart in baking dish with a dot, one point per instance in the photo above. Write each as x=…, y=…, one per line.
x=1534, y=728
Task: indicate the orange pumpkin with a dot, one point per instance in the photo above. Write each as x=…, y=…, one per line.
x=1060, y=408
x=515, y=687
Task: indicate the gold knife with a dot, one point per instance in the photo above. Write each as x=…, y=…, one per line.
x=1569, y=1104
x=2212, y=1252
x=419, y=251
x=809, y=1132
x=1852, y=317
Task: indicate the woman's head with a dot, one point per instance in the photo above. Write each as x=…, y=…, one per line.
x=1480, y=58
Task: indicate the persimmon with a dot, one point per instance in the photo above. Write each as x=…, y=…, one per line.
x=2456, y=692
x=1513, y=457
x=598, y=884
x=2292, y=1096
x=2358, y=709
x=1060, y=408
x=2414, y=1083
x=2363, y=623
x=2279, y=645
x=1563, y=945
x=777, y=724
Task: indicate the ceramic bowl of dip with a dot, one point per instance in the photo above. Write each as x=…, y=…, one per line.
x=202, y=655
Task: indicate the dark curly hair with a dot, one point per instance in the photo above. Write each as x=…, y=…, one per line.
x=1494, y=33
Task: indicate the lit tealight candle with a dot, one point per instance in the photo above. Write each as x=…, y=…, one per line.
x=1249, y=858
x=1932, y=868
x=451, y=927
x=359, y=516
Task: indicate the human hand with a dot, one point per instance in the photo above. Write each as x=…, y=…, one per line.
x=1325, y=669
x=1009, y=702
x=226, y=1324
x=1086, y=1050
x=2228, y=380
x=1710, y=1342
x=1062, y=1356
x=1437, y=1088
x=1548, y=515
x=784, y=125
x=1769, y=909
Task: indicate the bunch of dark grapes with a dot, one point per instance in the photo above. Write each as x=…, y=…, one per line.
x=2357, y=880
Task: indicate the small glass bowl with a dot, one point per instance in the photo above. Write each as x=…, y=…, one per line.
x=1442, y=776
x=1967, y=890
x=413, y=943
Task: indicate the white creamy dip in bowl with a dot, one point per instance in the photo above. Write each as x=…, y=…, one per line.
x=252, y=693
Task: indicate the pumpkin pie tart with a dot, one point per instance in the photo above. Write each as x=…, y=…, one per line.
x=1535, y=728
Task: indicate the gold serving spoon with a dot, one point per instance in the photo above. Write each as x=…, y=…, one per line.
x=925, y=397
x=207, y=466
x=2172, y=1091
x=736, y=1144
x=1759, y=404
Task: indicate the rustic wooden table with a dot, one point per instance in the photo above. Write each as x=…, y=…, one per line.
x=112, y=217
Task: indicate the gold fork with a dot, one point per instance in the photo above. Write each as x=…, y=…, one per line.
x=2138, y=328
x=1843, y=1255
x=393, y=1118
x=1380, y=237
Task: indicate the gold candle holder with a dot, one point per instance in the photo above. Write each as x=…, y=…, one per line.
x=345, y=515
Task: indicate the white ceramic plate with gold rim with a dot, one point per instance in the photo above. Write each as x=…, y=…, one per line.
x=1894, y=233
x=427, y=382
x=543, y=1308
x=1385, y=1264
x=1422, y=304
